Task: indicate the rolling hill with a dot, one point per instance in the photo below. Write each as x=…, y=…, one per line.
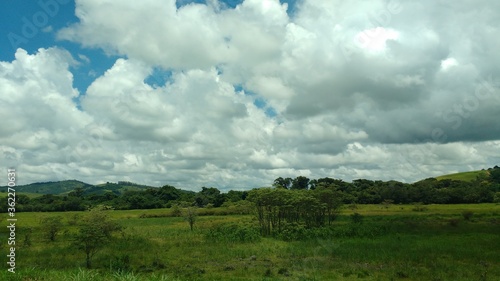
x=65, y=187
x=465, y=176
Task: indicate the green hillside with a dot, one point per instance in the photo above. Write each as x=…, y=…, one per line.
x=29, y=194
x=57, y=187
x=117, y=188
x=465, y=176
x=67, y=186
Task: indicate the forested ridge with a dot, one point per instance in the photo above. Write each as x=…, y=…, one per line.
x=327, y=192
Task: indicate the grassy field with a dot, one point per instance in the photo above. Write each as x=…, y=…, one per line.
x=464, y=176
x=394, y=242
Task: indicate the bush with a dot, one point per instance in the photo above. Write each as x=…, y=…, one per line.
x=51, y=227
x=176, y=210
x=295, y=232
x=73, y=219
x=27, y=237
x=190, y=215
x=357, y=218
x=419, y=207
x=94, y=232
x=147, y=216
x=292, y=232
x=453, y=222
x=467, y=215
x=120, y=263
x=233, y=233
x=359, y=230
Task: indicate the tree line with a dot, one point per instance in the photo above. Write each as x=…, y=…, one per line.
x=484, y=189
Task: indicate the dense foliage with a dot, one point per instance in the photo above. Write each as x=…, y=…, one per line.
x=279, y=208
x=306, y=193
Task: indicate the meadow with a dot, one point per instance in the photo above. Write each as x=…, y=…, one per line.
x=465, y=176
x=366, y=242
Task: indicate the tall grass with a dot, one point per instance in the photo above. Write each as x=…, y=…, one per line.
x=388, y=244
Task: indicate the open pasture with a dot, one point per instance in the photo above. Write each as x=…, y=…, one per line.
x=389, y=242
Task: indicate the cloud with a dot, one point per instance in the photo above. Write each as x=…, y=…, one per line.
x=379, y=89
x=36, y=95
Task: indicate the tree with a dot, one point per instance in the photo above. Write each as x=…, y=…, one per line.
x=190, y=216
x=285, y=183
x=209, y=195
x=95, y=230
x=300, y=182
x=262, y=198
x=176, y=210
x=279, y=207
x=77, y=192
x=332, y=200
x=495, y=175
x=312, y=184
x=22, y=199
x=236, y=195
x=168, y=193
x=51, y=227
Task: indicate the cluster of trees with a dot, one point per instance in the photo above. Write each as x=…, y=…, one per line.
x=483, y=189
x=151, y=198
x=486, y=188
x=278, y=207
x=94, y=230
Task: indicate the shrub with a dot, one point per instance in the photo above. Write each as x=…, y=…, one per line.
x=284, y=271
x=293, y=231
x=73, y=219
x=233, y=233
x=467, y=215
x=419, y=207
x=453, y=222
x=268, y=273
x=27, y=237
x=357, y=218
x=190, y=216
x=176, y=210
x=51, y=227
x=120, y=263
x=94, y=232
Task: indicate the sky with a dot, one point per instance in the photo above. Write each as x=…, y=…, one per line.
x=233, y=94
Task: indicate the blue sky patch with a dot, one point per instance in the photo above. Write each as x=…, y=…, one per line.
x=159, y=77
x=259, y=102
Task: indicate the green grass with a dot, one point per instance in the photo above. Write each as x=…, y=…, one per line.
x=464, y=176
x=393, y=243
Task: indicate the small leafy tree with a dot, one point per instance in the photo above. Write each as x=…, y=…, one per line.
x=467, y=215
x=190, y=216
x=176, y=210
x=387, y=203
x=51, y=227
x=95, y=230
x=357, y=218
x=495, y=174
x=331, y=199
x=300, y=182
x=27, y=237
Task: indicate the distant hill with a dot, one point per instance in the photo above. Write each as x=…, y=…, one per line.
x=117, y=188
x=65, y=187
x=465, y=176
x=57, y=187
